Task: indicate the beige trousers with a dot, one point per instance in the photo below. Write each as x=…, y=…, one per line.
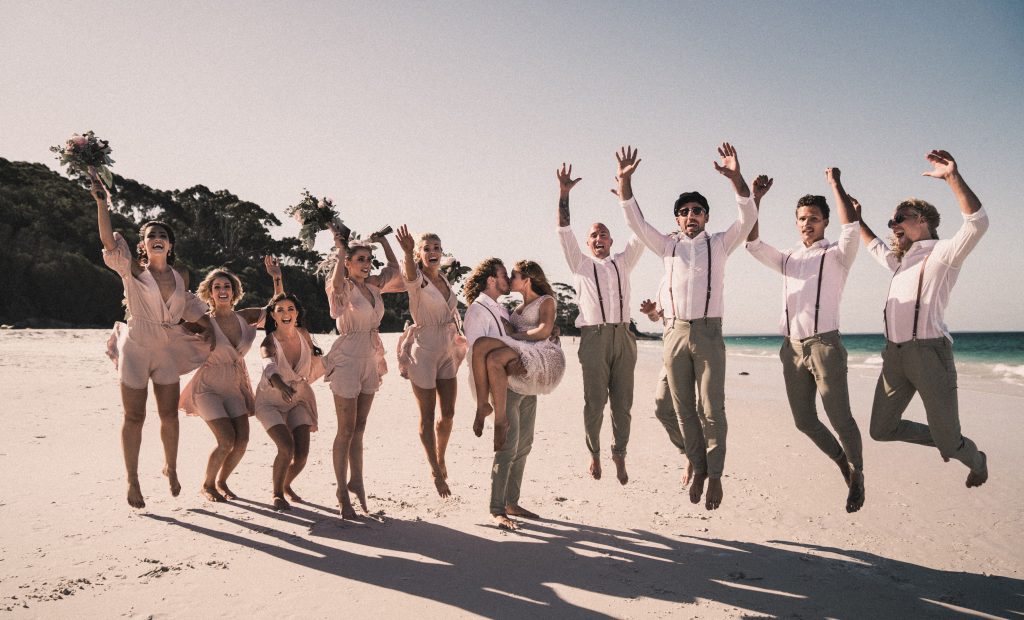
x=694, y=358
x=817, y=365
x=608, y=356
x=925, y=367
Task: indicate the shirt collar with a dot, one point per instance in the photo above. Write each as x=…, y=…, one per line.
x=921, y=246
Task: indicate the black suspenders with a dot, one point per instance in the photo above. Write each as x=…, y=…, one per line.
x=817, y=298
x=600, y=298
x=671, y=295
x=917, y=303
x=501, y=330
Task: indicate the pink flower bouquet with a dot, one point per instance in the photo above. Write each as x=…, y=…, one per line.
x=86, y=156
x=315, y=215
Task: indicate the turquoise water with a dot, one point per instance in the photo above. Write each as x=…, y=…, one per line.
x=979, y=347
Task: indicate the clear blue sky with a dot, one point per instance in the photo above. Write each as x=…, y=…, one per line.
x=452, y=116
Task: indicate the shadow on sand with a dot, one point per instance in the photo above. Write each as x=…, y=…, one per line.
x=528, y=574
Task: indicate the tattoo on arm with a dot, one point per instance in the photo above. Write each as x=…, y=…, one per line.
x=563, y=211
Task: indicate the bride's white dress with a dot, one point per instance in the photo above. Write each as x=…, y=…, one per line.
x=543, y=359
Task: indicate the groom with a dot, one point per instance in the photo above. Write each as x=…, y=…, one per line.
x=484, y=317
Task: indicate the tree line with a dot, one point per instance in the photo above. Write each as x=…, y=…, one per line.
x=51, y=266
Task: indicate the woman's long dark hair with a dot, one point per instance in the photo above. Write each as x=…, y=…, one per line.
x=270, y=325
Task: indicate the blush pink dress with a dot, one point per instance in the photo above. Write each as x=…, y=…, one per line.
x=152, y=344
x=271, y=407
x=432, y=347
x=355, y=364
x=221, y=387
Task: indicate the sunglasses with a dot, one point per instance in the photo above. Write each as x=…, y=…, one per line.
x=899, y=218
x=684, y=211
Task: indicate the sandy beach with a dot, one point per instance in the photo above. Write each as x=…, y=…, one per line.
x=780, y=546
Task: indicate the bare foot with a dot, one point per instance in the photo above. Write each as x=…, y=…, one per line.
x=360, y=494
x=211, y=493
x=292, y=495
x=714, y=498
x=620, y=468
x=688, y=474
x=347, y=511
x=855, y=499
x=504, y=523
x=135, y=499
x=280, y=503
x=595, y=467
x=518, y=511
x=697, y=488
x=500, y=434
x=844, y=467
x=482, y=411
x=172, y=478
x=442, y=486
x=222, y=486
x=980, y=477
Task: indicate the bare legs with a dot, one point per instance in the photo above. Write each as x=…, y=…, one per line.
x=134, y=401
x=435, y=441
x=348, y=450
x=241, y=426
x=292, y=452
x=490, y=376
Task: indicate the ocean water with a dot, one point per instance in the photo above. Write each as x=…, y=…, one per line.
x=985, y=356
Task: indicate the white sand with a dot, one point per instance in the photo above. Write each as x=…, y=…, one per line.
x=781, y=545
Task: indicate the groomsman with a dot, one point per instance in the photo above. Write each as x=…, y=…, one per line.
x=607, y=350
x=813, y=356
x=692, y=302
x=918, y=354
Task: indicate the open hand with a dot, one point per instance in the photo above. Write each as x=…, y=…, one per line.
x=287, y=392
x=405, y=240
x=565, y=180
x=730, y=166
x=628, y=161
x=647, y=306
x=943, y=165
x=761, y=186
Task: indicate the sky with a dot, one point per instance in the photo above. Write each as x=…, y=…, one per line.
x=452, y=117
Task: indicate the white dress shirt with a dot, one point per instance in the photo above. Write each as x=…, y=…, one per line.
x=483, y=318
x=611, y=285
x=804, y=272
x=940, y=273
x=686, y=260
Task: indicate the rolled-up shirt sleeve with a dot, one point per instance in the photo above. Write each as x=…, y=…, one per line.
x=881, y=253
x=649, y=235
x=738, y=231
x=966, y=239
x=849, y=241
x=570, y=248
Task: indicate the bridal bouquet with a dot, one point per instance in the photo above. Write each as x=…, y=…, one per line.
x=452, y=269
x=315, y=215
x=85, y=156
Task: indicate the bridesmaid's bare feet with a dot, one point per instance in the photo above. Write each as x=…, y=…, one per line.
x=360, y=493
x=280, y=503
x=595, y=467
x=620, y=468
x=172, y=478
x=715, y=494
x=211, y=493
x=135, y=499
x=347, y=511
x=291, y=494
x=222, y=486
x=442, y=486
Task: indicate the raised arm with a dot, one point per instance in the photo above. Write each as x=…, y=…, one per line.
x=273, y=267
x=730, y=169
x=565, y=185
x=761, y=186
x=389, y=280
x=408, y=245
x=102, y=213
x=944, y=167
x=628, y=161
x=339, y=273
x=844, y=205
x=866, y=234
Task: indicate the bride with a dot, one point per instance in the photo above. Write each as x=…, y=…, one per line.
x=528, y=342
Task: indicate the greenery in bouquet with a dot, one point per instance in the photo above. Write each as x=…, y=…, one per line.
x=86, y=155
x=314, y=215
x=452, y=269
